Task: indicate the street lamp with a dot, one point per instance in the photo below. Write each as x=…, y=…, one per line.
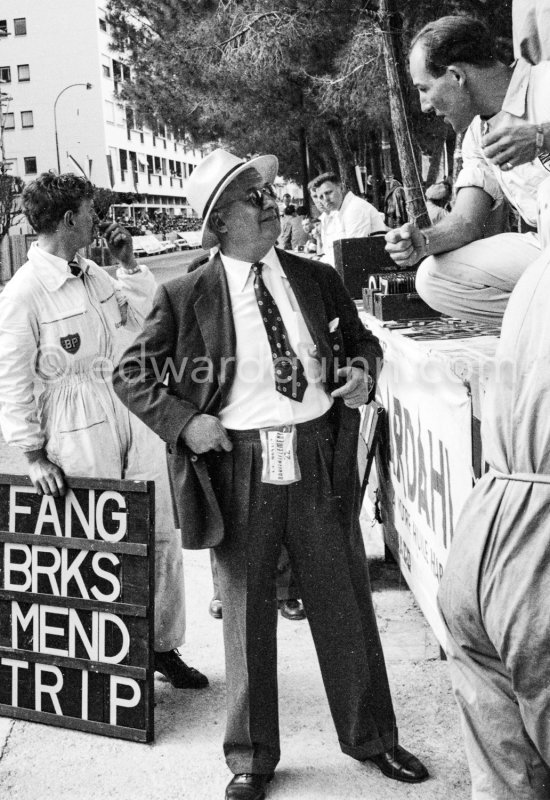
x=70, y=86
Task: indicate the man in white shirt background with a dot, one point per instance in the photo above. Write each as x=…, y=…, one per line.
x=345, y=215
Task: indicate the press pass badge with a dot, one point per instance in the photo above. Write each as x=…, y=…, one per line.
x=279, y=459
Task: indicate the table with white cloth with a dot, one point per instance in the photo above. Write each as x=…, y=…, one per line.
x=429, y=454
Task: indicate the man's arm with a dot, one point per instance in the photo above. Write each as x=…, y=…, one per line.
x=141, y=383
x=512, y=141
x=466, y=223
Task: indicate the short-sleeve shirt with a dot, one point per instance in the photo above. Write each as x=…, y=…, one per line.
x=528, y=97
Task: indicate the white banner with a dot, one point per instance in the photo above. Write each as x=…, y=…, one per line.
x=429, y=476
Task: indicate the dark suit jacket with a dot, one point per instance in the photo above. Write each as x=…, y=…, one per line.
x=183, y=363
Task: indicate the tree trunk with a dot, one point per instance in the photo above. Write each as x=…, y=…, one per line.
x=374, y=168
x=391, y=24
x=344, y=156
x=304, y=155
x=385, y=148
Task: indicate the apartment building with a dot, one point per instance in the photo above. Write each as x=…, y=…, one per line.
x=61, y=107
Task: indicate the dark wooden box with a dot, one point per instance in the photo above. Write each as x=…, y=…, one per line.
x=397, y=306
x=357, y=259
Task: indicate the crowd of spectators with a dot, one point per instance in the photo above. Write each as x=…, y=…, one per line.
x=158, y=224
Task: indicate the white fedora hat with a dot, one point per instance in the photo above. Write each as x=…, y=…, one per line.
x=213, y=175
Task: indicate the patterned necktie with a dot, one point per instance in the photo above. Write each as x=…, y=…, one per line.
x=290, y=379
x=76, y=269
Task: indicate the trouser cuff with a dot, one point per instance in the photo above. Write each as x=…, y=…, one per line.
x=371, y=748
x=262, y=763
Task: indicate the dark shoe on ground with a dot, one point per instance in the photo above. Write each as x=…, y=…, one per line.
x=293, y=610
x=215, y=608
x=177, y=672
x=400, y=765
x=247, y=787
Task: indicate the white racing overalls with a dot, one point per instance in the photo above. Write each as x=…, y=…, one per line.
x=495, y=593
x=60, y=336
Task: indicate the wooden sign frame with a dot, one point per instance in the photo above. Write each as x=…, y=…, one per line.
x=77, y=585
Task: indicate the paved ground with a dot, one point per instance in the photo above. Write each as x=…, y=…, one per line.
x=186, y=763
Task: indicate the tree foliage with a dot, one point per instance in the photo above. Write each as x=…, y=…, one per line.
x=11, y=187
x=255, y=75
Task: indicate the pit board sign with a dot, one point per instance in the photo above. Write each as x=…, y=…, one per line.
x=77, y=605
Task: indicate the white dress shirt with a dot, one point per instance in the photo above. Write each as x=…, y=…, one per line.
x=355, y=219
x=253, y=401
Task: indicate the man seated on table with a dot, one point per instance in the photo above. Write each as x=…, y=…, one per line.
x=343, y=216
x=469, y=271
x=267, y=321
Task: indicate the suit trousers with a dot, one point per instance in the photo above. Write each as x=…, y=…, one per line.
x=331, y=569
x=287, y=586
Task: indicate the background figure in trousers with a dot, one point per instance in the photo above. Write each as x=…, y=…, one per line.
x=283, y=364
x=471, y=266
x=63, y=325
x=288, y=591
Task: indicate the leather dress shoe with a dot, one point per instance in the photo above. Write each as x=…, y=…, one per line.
x=215, y=608
x=400, y=765
x=293, y=610
x=180, y=675
x=247, y=787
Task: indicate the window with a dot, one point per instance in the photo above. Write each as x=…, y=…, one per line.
x=30, y=165
x=3, y=27
x=109, y=112
x=20, y=26
x=123, y=164
x=120, y=71
x=106, y=71
x=27, y=119
x=23, y=72
x=9, y=121
x=5, y=74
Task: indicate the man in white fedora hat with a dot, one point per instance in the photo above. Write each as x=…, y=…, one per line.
x=252, y=368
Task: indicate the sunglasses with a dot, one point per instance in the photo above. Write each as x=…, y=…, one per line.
x=254, y=196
